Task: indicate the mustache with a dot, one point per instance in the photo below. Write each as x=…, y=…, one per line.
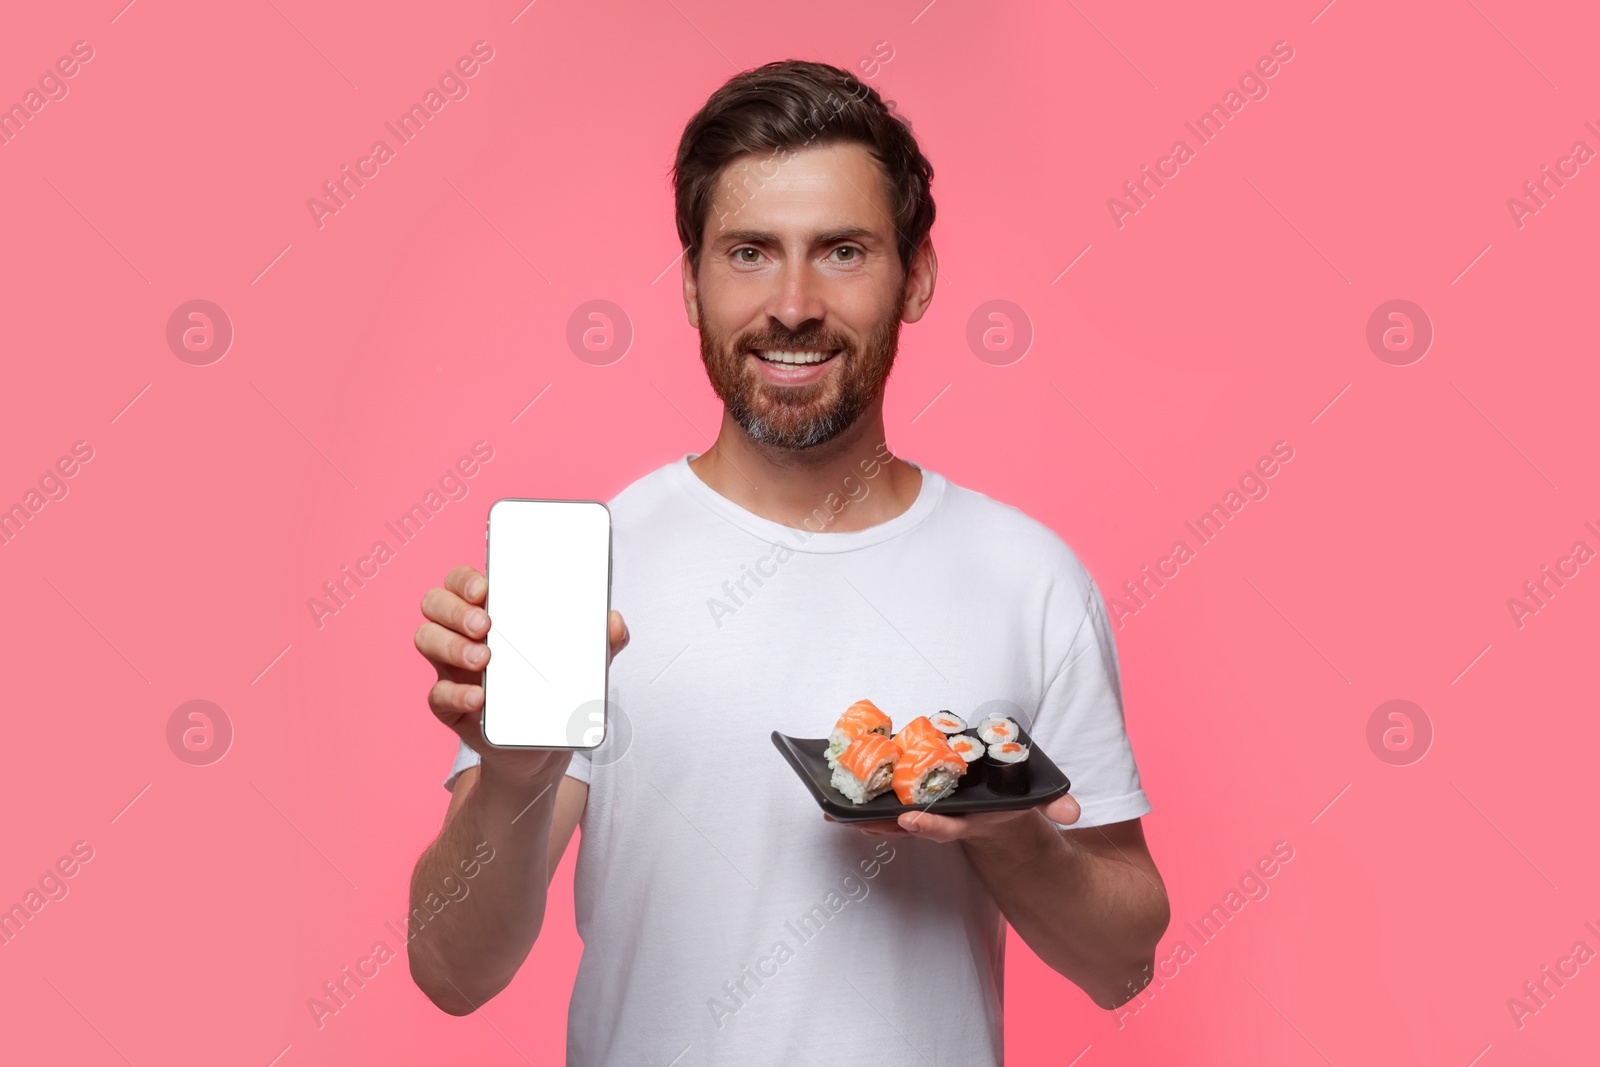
x=805, y=341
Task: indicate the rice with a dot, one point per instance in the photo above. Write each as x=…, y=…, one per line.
x=860, y=792
x=996, y=729
x=968, y=747
x=937, y=783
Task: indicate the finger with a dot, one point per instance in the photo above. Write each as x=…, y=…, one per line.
x=446, y=648
x=468, y=583
x=617, y=632
x=1064, y=810
x=881, y=829
x=451, y=701
x=939, y=828
x=449, y=610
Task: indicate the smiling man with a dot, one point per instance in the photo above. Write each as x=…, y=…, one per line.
x=724, y=920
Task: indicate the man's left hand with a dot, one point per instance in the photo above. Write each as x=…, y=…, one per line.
x=947, y=828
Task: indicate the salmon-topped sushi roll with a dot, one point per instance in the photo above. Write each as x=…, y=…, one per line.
x=859, y=719
x=866, y=767
x=948, y=722
x=926, y=771
x=918, y=729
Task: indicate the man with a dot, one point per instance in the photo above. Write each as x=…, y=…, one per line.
x=793, y=568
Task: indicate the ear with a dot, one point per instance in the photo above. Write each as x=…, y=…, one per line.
x=920, y=280
x=691, y=290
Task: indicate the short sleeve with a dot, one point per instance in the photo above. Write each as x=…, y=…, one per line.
x=1080, y=723
x=466, y=757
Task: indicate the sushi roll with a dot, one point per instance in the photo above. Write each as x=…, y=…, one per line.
x=994, y=730
x=917, y=730
x=927, y=771
x=1006, y=767
x=948, y=723
x=967, y=747
x=866, y=767
x=859, y=719
x=971, y=750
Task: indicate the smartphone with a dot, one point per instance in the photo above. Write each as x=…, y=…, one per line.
x=548, y=563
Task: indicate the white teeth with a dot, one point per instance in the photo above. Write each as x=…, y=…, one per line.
x=794, y=357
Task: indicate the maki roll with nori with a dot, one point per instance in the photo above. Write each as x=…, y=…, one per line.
x=997, y=729
x=1006, y=768
x=971, y=750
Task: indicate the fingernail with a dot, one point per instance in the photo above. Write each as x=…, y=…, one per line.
x=476, y=620
x=476, y=655
x=475, y=587
x=474, y=699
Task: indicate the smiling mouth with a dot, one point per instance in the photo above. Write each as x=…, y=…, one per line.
x=793, y=358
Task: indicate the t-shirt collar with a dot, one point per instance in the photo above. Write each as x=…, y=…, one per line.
x=815, y=535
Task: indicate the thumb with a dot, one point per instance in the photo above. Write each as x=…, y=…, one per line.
x=1063, y=810
x=617, y=632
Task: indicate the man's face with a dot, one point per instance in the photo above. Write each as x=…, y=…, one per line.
x=800, y=292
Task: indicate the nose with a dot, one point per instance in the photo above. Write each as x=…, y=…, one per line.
x=798, y=299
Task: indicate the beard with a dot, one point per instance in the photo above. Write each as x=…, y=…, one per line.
x=798, y=417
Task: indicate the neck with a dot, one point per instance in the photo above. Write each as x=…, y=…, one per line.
x=850, y=483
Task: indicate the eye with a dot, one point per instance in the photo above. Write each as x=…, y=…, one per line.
x=739, y=253
x=853, y=254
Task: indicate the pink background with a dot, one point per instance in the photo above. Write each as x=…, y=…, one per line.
x=1225, y=316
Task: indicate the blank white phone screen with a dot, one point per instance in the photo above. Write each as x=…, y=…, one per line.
x=549, y=591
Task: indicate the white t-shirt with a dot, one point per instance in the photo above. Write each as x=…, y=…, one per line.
x=724, y=921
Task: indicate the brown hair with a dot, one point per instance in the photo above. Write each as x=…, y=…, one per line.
x=786, y=106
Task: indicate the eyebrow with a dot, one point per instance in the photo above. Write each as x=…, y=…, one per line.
x=826, y=237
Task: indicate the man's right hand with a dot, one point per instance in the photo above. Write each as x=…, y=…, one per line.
x=453, y=640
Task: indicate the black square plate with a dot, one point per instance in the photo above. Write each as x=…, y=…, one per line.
x=807, y=756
